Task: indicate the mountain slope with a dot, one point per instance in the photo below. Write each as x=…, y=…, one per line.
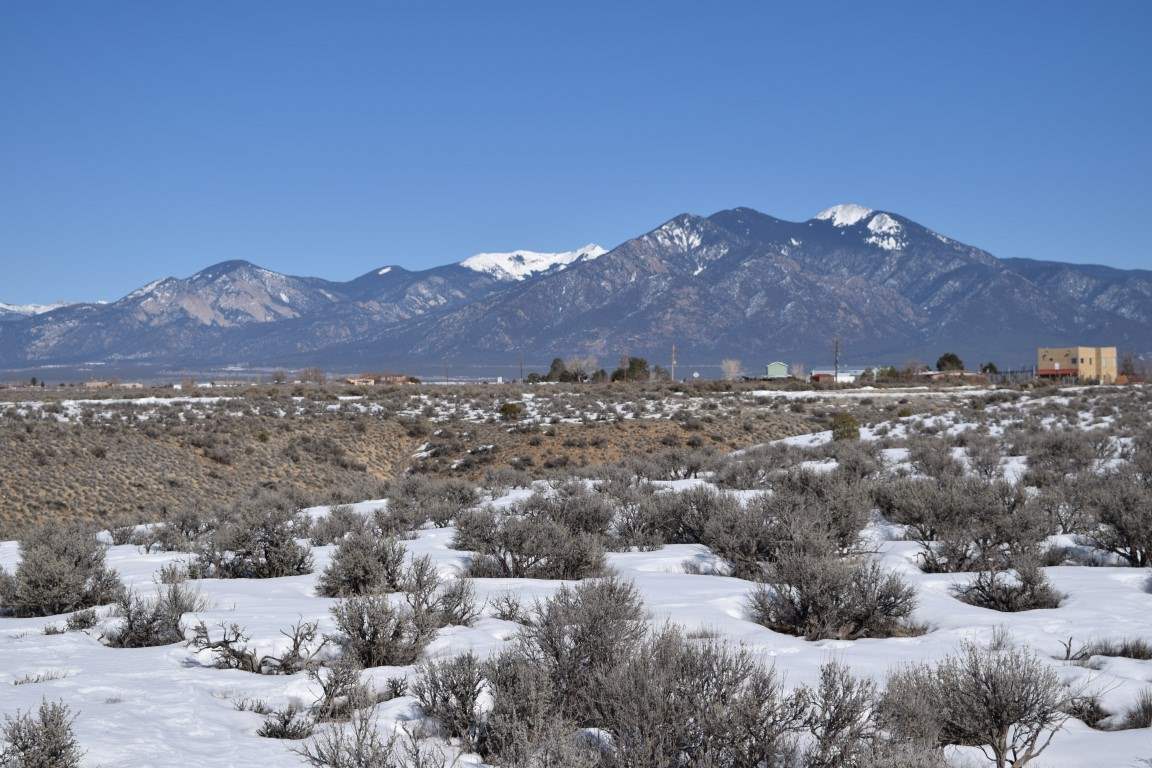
x=738, y=283
x=744, y=284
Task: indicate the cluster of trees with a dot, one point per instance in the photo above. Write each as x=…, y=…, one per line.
x=584, y=369
x=577, y=369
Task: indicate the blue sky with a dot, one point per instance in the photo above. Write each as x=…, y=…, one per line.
x=141, y=139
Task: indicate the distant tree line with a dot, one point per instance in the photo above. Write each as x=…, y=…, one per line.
x=581, y=370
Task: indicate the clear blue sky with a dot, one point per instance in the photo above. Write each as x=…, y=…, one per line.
x=142, y=139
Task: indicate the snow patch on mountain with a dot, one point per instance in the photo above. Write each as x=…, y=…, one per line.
x=384, y=271
x=144, y=290
x=29, y=309
x=886, y=232
x=679, y=234
x=844, y=215
x=519, y=265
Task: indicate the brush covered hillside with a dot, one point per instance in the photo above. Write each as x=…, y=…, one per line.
x=737, y=283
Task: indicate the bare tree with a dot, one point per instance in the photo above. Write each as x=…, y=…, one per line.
x=731, y=368
x=312, y=376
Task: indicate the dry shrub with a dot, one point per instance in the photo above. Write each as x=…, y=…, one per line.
x=1121, y=503
x=519, y=542
x=363, y=563
x=1024, y=588
x=158, y=620
x=340, y=521
x=43, y=740
x=1007, y=702
x=256, y=539
x=420, y=498
x=61, y=569
x=820, y=597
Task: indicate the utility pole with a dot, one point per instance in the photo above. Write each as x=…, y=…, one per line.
x=673, y=362
x=521, y=366
x=835, y=359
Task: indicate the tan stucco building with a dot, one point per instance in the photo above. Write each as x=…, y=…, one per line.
x=1097, y=364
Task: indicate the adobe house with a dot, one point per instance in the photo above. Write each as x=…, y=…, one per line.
x=1097, y=364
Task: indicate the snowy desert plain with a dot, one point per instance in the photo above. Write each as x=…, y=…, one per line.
x=1069, y=455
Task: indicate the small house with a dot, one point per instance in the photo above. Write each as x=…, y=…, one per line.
x=842, y=376
x=776, y=370
x=1096, y=364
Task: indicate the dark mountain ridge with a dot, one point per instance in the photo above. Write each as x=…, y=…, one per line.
x=738, y=283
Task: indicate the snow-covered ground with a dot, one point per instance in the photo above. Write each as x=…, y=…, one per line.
x=167, y=706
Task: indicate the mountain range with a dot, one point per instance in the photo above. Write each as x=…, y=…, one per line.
x=738, y=283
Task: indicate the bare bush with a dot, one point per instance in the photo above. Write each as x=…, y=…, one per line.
x=580, y=631
x=153, y=621
x=181, y=530
x=573, y=506
x=341, y=690
x=819, y=514
x=662, y=706
x=61, y=569
x=857, y=459
x=1006, y=702
x=683, y=516
x=1065, y=504
x=512, y=544
x=420, y=498
x=933, y=457
x=755, y=467
x=984, y=456
x=340, y=521
x=1024, y=588
x=355, y=744
x=840, y=718
x=1128, y=647
x=43, y=740
x=1054, y=454
x=363, y=563
x=450, y=692
x=377, y=633
x=230, y=649
x=256, y=540
x=823, y=597
x=81, y=620
x=524, y=726
x=964, y=523
x=290, y=722
x=507, y=607
x=1122, y=505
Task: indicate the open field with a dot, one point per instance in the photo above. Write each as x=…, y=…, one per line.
x=851, y=541
x=112, y=455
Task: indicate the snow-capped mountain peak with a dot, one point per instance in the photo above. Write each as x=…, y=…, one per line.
x=844, y=215
x=886, y=232
x=519, y=265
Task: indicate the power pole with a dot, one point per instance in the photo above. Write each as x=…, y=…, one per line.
x=521, y=366
x=835, y=359
x=673, y=362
